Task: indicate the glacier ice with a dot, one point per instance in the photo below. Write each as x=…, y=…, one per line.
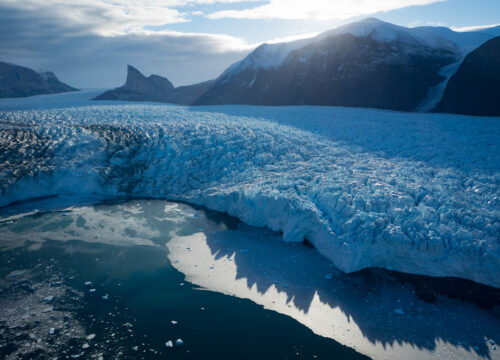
x=416, y=193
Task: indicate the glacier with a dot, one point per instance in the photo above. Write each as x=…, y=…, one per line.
x=416, y=193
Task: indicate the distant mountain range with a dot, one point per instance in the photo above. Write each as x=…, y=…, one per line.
x=19, y=81
x=369, y=63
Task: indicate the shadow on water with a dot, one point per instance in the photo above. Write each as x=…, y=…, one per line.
x=447, y=310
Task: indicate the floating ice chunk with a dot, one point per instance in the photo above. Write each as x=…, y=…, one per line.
x=91, y=336
x=51, y=331
x=169, y=343
x=85, y=346
x=88, y=283
x=399, y=311
x=49, y=298
x=135, y=348
x=179, y=342
x=92, y=290
x=105, y=297
x=16, y=273
x=174, y=322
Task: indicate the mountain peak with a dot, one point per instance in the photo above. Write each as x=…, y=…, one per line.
x=140, y=88
x=20, y=81
x=371, y=20
x=133, y=75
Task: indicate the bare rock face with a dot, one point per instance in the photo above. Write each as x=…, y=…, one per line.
x=140, y=88
x=19, y=81
x=339, y=70
x=155, y=89
x=474, y=89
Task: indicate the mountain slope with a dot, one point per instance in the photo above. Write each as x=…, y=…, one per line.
x=19, y=81
x=187, y=95
x=474, y=89
x=366, y=64
x=369, y=63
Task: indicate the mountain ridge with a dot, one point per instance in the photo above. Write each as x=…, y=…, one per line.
x=20, y=81
x=154, y=88
x=407, y=69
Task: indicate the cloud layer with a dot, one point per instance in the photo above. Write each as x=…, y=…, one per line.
x=317, y=9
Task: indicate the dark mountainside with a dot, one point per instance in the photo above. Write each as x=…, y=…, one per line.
x=370, y=64
x=187, y=95
x=140, y=88
x=341, y=70
x=475, y=88
x=154, y=88
x=19, y=81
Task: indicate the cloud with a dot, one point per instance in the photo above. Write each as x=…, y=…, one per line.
x=317, y=9
x=113, y=17
x=86, y=58
x=475, y=28
x=101, y=16
x=292, y=38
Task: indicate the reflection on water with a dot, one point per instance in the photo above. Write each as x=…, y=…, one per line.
x=94, y=282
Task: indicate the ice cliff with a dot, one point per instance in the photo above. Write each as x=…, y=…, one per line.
x=415, y=193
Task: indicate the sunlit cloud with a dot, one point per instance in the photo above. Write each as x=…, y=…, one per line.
x=290, y=38
x=113, y=17
x=475, y=28
x=317, y=9
x=85, y=58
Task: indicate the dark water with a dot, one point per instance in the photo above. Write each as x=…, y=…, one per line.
x=134, y=295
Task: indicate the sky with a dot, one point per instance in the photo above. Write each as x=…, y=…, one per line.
x=88, y=43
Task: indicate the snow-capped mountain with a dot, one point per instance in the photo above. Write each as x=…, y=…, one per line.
x=369, y=63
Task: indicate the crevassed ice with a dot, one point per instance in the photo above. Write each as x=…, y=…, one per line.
x=368, y=188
